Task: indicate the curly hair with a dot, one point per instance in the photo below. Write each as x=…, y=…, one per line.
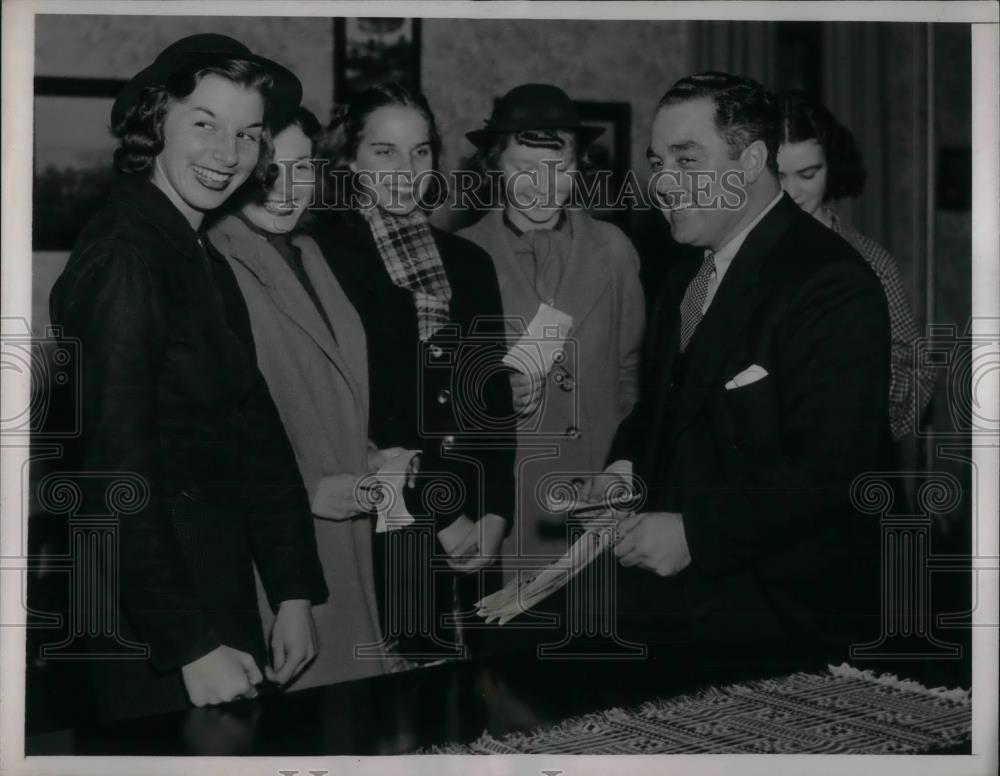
x=745, y=111
x=140, y=130
x=804, y=118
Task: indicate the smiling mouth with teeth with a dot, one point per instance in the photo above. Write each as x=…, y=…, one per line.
x=280, y=208
x=211, y=178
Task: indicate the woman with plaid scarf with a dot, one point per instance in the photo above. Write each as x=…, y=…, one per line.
x=431, y=309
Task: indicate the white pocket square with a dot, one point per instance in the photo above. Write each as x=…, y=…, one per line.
x=750, y=375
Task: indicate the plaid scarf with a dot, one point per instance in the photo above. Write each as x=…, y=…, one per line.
x=411, y=257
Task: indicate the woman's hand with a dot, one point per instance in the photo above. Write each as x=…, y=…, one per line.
x=336, y=497
x=379, y=458
x=527, y=390
x=480, y=546
x=223, y=675
x=294, y=643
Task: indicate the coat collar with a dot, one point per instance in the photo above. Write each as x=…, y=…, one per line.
x=252, y=252
x=586, y=276
x=743, y=289
x=150, y=205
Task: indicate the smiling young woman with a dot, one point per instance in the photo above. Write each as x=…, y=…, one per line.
x=431, y=309
x=171, y=394
x=311, y=350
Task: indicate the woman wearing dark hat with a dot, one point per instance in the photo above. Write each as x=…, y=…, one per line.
x=557, y=263
x=431, y=308
x=171, y=395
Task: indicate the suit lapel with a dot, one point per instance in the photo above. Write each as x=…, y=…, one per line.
x=739, y=295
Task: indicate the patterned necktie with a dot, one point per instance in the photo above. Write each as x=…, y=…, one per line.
x=694, y=299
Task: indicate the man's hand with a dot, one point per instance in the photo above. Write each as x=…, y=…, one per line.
x=654, y=541
x=223, y=675
x=613, y=483
x=527, y=391
x=293, y=640
x=480, y=546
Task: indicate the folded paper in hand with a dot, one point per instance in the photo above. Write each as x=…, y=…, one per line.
x=391, y=480
x=538, y=348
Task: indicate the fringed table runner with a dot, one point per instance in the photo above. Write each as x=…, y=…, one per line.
x=841, y=711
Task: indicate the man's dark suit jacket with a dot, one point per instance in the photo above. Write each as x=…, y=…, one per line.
x=762, y=474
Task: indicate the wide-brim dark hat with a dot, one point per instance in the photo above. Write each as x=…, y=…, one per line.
x=533, y=106
x=204, y=49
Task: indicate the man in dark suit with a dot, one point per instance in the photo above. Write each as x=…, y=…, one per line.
x=766, y=377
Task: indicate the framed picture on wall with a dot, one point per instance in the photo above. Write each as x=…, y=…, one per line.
x=368, y=50
x=610, y=154
x=73, y=160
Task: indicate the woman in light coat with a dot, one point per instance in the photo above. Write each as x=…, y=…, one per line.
x=548, y=254
x=312, y=352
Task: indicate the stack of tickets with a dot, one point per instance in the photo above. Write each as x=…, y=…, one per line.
x=525, y=591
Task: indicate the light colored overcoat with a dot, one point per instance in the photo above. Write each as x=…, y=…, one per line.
x=593, y=389
x=320, y=386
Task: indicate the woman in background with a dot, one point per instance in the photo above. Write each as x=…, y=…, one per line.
x=431, y=311
x=173, y=402
x=311, y=350
x=551, y=256
x=818, y=164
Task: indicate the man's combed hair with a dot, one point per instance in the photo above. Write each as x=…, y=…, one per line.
x=140, y=130
x=745, y=111
x=804, y=118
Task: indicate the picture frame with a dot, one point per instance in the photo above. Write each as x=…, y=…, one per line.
x=370, y=50
x=72, y=161
x=611, y=152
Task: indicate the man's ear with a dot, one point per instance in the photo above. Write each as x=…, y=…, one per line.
x=754, y=160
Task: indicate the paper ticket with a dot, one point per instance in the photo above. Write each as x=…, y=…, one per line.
x=390, y=481
x=539, y=347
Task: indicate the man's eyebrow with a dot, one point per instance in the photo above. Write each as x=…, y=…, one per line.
x=650, y=152
x=687, y=145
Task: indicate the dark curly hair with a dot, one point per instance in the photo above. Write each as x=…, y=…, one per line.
x=744, y=110
x=140, y=130
x=804, y=118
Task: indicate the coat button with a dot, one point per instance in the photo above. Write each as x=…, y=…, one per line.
x=573, y=433
x=558, y=376
x=568, y=384
x=448, y=441
x=435, y=351
x=444, y=396
x=559, y=356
